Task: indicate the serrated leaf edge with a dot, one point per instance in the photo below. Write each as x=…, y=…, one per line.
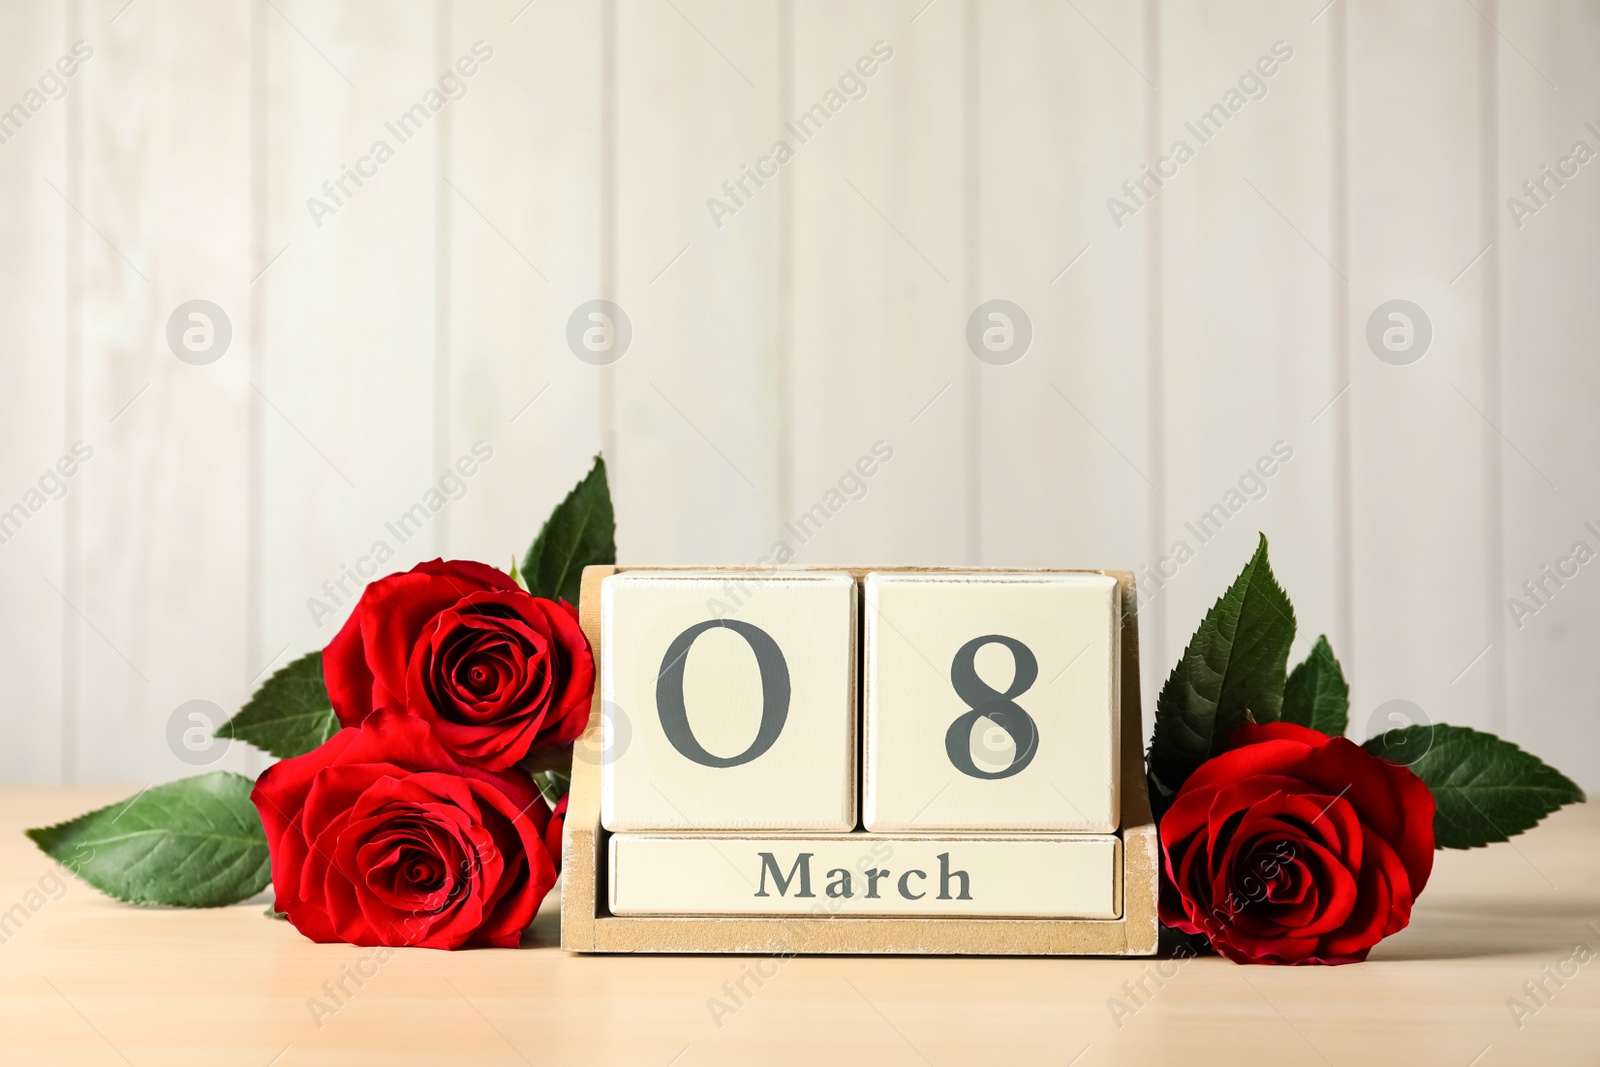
x=39, y=835
x=1573, y=793
x=582, y=519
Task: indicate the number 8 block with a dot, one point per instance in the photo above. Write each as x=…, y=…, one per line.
x=992, y=702
x=728, y=702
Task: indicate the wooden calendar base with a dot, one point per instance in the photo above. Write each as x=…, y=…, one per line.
x=587, y=924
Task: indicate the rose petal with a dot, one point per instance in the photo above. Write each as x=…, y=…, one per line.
x=381, y=836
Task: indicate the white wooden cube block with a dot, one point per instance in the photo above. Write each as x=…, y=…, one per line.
x=728, y=701
x=991, y=702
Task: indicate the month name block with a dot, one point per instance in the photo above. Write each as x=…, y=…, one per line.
x=867, y=875
x=728, y=702
x=992, y=702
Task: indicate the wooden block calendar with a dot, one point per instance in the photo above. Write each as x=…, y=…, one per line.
x=860, y=760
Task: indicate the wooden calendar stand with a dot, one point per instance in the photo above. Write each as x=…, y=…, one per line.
x=588, y=926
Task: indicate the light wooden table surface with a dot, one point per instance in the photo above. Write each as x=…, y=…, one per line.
x=87, y=980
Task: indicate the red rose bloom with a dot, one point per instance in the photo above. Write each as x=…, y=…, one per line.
x=496, y=671
x=1295, y=847
x=380, y=837
x=552, y=833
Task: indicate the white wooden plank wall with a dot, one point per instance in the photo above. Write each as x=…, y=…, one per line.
x=37, y=403
x=1549, y=376
x=230, y=510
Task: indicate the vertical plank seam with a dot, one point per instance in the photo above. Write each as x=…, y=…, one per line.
x=1155, y=356
x=72, y=417
x=255, y=578
x=1339, y=357
x=608, y=218
x=783, y=345
x=441, y=275
x=971, y=281
x=1489, y=294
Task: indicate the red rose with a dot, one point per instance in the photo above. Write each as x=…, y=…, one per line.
x=380, y=837
x=496, y=671
x=552, y=833
x=1295, y=847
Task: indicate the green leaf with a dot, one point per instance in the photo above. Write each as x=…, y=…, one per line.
x=1484, y=789
x=1316, y=694
x=580, y=531
x=290, y=715
x=193, y=843
x=553, y=784
x=1231, y=672
x=516, y=575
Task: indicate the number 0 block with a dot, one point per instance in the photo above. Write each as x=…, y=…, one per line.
x=992, y=702
x=728, y=701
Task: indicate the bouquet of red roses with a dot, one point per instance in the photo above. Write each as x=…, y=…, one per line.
x=421, y=752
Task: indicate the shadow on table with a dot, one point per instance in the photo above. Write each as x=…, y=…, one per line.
x=1500, y=927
